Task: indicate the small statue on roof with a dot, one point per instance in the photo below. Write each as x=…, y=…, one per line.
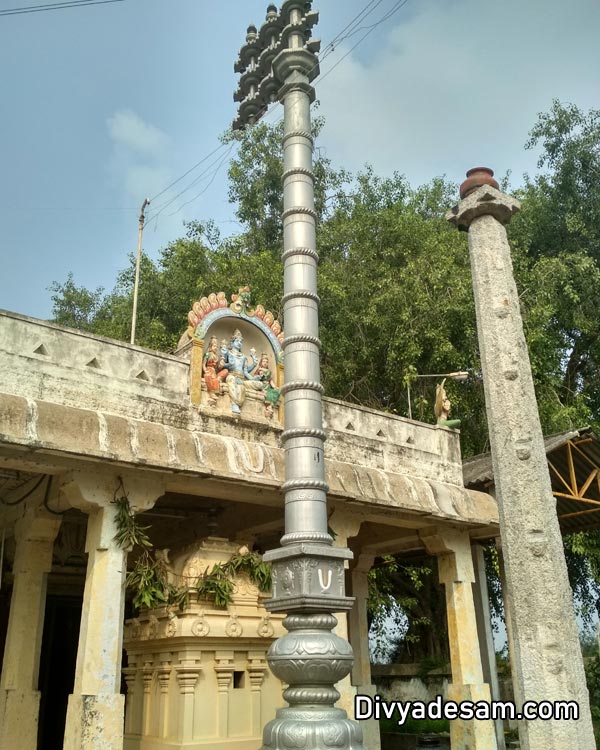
x=442, y=407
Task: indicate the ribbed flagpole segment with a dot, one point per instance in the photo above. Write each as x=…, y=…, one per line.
x=280, y=61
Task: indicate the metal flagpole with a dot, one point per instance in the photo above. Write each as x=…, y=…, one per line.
x=280, y=61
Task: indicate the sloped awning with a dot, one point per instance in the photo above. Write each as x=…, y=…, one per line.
x=574, y=465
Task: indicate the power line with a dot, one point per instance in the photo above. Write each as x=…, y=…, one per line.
x=55, y=6
x=214, y=165
x=212, y=179
x=185, y=174
x=351, y=28
x=370, y=29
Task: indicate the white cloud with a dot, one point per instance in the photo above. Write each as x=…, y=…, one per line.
x=129, y=130
x=458, y=84
x=138, y=162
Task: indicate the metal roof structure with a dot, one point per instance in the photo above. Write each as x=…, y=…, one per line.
x=574, y=464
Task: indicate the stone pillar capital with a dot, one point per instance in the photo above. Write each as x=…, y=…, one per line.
x=345, y=524
x=187, y=677
x=483, y=201
x=130, y=674
x=37, y=525
x=364, y=562
x=89, y=490
x=163, y=675
x=452, y=547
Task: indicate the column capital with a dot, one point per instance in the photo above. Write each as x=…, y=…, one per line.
x=37, y=525
x=485, y=200
x=453, y=548
x=163, y=675
x=187, y=677
x=130, y=674
x=345, y=524
x=363, y=562
x=90, y=490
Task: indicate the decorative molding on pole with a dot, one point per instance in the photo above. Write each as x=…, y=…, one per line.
x=280, y=61
x=545, y=652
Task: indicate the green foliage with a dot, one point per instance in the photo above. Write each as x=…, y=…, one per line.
x=396, y=297
x=592, y=674
x=149, y=579
x=147, y=582
x=252, y=565
x=405, y=593
x=75, y=307
x=129, y=533
x=216, y=586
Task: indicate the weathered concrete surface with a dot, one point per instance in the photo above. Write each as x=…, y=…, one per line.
x=95, y=711
x=546, y=656
x=92, y=409
x=35, y=533
x=69, y=408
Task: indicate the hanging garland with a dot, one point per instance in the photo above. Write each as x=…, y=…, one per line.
x=149, y=579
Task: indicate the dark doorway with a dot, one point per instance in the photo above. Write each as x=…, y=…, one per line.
x=57, y=667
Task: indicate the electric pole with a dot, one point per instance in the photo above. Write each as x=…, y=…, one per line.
x=136, y=283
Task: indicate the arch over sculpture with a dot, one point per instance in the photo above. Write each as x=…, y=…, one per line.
x=236, y=358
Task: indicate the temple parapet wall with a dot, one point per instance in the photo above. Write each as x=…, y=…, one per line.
x=89, y=397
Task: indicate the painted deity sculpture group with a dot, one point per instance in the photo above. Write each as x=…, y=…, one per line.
x=226, y=369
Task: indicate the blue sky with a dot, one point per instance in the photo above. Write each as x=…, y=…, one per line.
x=105, y=105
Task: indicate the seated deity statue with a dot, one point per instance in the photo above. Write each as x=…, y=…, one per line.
x=240, y=377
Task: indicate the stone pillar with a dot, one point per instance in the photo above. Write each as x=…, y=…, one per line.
x=453, y=550
x=19, y=697
x=148, y=672
x=130, y=674
x=484, y=631
x=164, y=677
x=257, y=668
x=359, y=640
x=224, y=669
x=546, y=658
x=187, y=678
x=95, y=712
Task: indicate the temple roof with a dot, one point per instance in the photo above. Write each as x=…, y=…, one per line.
x=574, y=464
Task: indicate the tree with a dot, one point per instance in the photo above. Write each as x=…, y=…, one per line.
x=73, y=306
x=396, y=297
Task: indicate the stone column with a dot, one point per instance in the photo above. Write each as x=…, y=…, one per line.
x=484, y=631
x=130, y=674
x=95, y=711
x=359, y=640
x=187, y=673
x=148, y=673
x=224, y=669
x=19, y=697
x=546, y=658
x=452, y=547
x=164, y=677
x=257, y=668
